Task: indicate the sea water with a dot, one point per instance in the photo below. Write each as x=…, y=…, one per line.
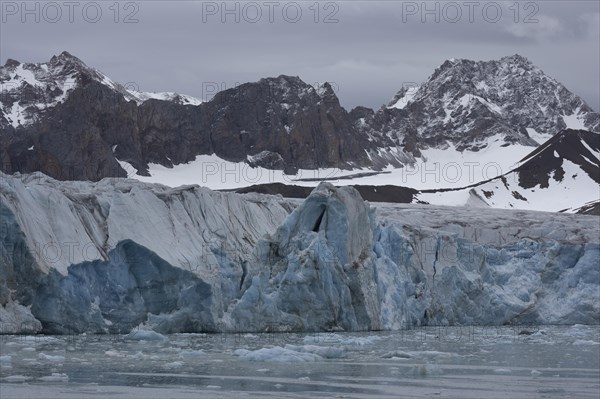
x=458, y=362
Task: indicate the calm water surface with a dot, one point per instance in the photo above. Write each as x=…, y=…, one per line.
x=457, y=362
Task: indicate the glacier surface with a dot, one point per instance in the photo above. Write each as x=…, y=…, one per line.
x=122, y=256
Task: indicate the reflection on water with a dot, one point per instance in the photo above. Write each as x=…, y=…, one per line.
x=461, y=362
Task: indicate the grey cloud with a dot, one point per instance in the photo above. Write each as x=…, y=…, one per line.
x=369, y=53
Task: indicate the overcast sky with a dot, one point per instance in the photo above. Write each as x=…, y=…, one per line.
x=369, y=49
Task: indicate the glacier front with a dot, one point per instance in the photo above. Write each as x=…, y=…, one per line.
x=116, y=255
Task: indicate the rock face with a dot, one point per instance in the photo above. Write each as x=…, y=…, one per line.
x=66, y=121
x=286, y=117
x=466, y=102
x=72, y=122
x=118, y=253
x=548, y=162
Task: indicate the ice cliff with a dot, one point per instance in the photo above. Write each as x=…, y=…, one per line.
x=109, y=256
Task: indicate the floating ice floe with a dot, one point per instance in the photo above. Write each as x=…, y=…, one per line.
x=173, y=365
x=332, y=338
x=145, y=335
x=278, y=354
x=55, y=377
x=192, y=353
x=585, y=342
x=16, y=378
x=52, y=358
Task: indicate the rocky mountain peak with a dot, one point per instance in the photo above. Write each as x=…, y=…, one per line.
x=288, y=79
x=29, y=90
x=283, y=83
x=65, y=63
x=10, y=63
x=277, y=122
x=468, y=101
x=287, y=87
x=465, y=69
x=65, y=57
x=325, y=89
x=327, y=93
x=446, y=65
x=517, y=59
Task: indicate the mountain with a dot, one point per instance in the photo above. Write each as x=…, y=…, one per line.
x=465, y=103
x=284, y=123
x=563, y=174
x=72, y=122
x=117, y=253
x=61, y=117
x=29, y=90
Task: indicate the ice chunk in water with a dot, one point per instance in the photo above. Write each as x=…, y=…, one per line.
x=144, y=335
x=279, y=354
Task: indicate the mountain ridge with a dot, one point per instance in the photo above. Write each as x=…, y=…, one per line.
x=278, y=123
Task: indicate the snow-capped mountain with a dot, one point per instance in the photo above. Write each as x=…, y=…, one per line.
x=73, y=122
x=30, y=90
x=278, y=123
x=465, y=102
x=563, y=174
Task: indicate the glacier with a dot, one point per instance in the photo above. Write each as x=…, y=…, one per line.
x=122, y=256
